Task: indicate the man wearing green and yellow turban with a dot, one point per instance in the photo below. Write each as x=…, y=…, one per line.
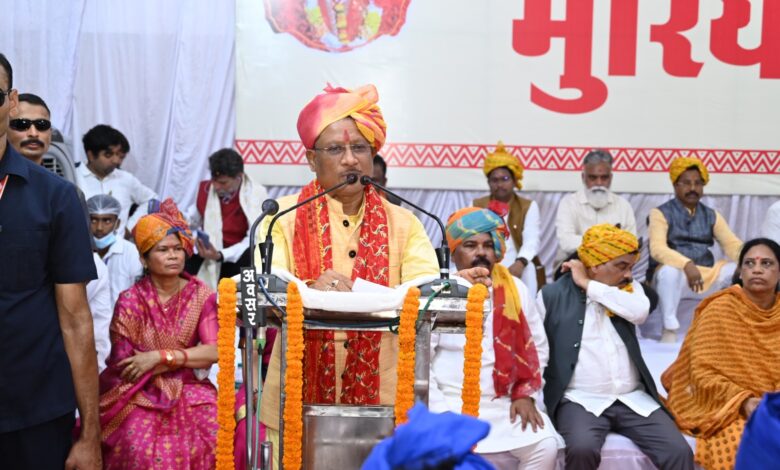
x=596, y=381
x=682, y=231
x=504, y=173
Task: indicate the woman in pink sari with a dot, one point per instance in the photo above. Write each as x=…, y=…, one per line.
x=155, y=410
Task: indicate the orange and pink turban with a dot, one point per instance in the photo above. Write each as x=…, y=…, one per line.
x=154, y=227
x=339, y=103
x=681, y=164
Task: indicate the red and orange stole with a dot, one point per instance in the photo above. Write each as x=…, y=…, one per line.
x=516, y=372
x=313, y=255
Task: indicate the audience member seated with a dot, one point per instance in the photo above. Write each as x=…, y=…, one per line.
x=102, y=309
x=505, y=172
x=350, y=233
x=729, y=358
x=596, y=380
x=380, y=176
x=106, y=148
x=591, y=205
x=771, y=227
x=514, y=352
x=120, y=255
x=682, y=231
x=155, y=411
x=29, y=130
x=226, y=205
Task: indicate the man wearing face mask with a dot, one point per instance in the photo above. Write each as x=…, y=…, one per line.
x=594, y=204
x=120, y=255
x=226, y=206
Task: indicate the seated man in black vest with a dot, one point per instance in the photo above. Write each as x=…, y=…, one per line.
x=596, y=381
x=682, y=231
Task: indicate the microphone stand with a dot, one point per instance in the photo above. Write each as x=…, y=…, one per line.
x=271, y=283
x=269, y=207
x=444, y=286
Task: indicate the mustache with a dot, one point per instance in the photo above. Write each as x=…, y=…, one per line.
x=31, y=141
x=480, y=261
x=625, y=282
x=692, y=193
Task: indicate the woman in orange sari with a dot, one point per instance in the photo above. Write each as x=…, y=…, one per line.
x=729, y=358
x=155, y=410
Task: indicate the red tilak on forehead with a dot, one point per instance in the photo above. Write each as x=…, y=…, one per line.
x=346, y=136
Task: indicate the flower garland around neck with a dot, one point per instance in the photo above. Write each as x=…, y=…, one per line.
x=472, y=351
x=226, y=396
x=407, y=332
x=293, y=381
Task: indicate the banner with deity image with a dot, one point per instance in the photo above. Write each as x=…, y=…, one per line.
x=550, y=78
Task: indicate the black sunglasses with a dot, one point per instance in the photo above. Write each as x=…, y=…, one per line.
x=3, y=94
x=24, y=124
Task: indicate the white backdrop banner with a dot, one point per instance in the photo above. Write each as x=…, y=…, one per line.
x=550, y=78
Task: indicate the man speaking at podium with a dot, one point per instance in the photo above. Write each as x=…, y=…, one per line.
x=351, y=233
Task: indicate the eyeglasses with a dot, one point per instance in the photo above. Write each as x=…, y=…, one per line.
x=358, y=150
x=3, y=94
x=24, y=124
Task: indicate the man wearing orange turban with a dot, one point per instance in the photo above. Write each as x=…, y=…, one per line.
x=682, y=231
x=504, y=173
x=350, y=233
x=596, y=381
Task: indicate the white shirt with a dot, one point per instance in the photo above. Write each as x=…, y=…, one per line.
x=531, y=234
x=446, y=382
x=604, y=372
x=771, y=227
x=99, y=299
x=123, y=186
x=575, y=216
x=124, y=266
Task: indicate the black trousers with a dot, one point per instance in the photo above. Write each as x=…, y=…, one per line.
x=226, y=270
x=657, y=435
x=44, y=446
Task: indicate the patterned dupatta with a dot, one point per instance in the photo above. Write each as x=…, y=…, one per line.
x=140, y=324
x=516, y=372
x=313, y=255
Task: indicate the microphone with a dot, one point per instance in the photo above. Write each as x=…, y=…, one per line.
x=269, y=207
x=442, y=253
x=267, y=247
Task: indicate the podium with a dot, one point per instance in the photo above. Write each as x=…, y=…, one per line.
x=342, y=436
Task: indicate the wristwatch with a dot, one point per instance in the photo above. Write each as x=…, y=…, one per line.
x=523, y=260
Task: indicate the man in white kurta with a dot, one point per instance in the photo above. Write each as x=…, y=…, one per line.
x=521, y=434
x=593, y=204
x=106, y=148
x=596, y=380
x=120, y=256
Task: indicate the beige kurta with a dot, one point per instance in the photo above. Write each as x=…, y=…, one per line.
x=411, y=256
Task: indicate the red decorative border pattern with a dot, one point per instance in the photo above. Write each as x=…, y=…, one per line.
x=463, y=156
